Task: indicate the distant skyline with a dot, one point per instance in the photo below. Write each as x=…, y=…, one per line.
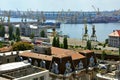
x=58, y=5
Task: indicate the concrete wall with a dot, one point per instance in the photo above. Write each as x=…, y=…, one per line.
x=8, y=59
x=36, y=75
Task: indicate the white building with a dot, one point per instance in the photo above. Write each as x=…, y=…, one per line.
x=114, y=39
x=22, y=71
x=28, y=29
x=109, y=71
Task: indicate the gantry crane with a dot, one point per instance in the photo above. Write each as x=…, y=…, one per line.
x=8, y=14
x=96, y=10
x=93, y=36
x=85, y=35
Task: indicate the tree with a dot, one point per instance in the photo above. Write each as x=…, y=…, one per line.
x=119, y=52
x=65, y=43
x=17, y=34
x=1, y=44
x=10, y=32
x=57, y=42
x=32, y=36
x=54, y=42
x=103, y=55
x=106, y=41
x=61, y=46
x=2, y=31
x=88, y=46
x=14, y=36
x=18, y=38
x=22, y=46
x=42, y=33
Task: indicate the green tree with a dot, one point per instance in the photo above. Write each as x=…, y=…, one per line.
x=18, y=38
x=1, y=44
x=57, y=42
x=17, y=35
x=42, y=33
x=2, y=31
x=14, y=36
x=54, y=42
x=61, y=46
x=65, y=43
x=103, y=55
x=22, y=46
x=17, y=32
x=10, y=32
x=106, y=41
x=119, y=52
x=88, y=46
x=32, y=36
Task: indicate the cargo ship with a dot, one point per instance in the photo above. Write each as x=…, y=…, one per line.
x=51, y=23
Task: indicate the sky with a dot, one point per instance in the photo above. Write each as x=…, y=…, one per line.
x=58, y=5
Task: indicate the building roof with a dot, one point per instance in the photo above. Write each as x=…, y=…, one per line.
x=33, y=26
x=37, y=56
x=59, y=52
x=12, y=53
x=17, y=25
x=56, y=52
x=5, y=49
x=86, y=51
x=115, y=33
x=10, y=66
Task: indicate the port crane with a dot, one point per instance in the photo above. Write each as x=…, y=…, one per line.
x=85, y=35
x=96, y=10
x=93, y=36
x=42, y=17
x=8, y=14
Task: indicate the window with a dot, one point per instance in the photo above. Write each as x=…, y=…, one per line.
x=35, y=50
x=35, y=79
x=8, y=60
x=35, y=63
x=80, y=65
x=55, y=68
x=68, y=67
x=91, y=62
x=42, y=78
x=43, y=64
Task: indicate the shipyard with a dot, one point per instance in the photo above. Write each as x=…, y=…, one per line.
x=64, y=40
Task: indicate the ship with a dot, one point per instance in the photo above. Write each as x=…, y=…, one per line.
x=51, y=23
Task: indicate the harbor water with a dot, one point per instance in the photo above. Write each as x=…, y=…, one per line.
x=77, y=30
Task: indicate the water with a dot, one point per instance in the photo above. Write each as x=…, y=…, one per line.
x=17, y=19
x=76, y=30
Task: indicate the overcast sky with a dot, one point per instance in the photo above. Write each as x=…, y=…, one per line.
x=58, y=5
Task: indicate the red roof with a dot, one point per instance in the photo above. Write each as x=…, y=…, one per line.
x=56, y=52
x=118, y=31
x=115, y=33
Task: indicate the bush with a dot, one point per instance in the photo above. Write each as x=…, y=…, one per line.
x=100, y=44
x=22, y=46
